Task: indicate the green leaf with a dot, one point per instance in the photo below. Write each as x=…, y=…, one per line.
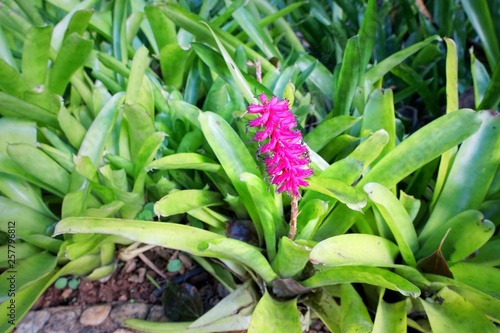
x=362, y=274
x=326, y=308
x=232, y=154
x=174, y=265
x=25, y=273
x=488, y=253
x=174, y=236
x=235, y=72
x=483, y=278
x=328, y=130
x=23, y=192
x=353, y=198
x=367, y=33
x=451, y=75
x=97, y=135
x=310, y=218
x=163, y=28
x=476, y=162
x=72, y=55
x=291, y=258
x=148, y=152
x=320, y=77
x=36, y=55
x=230, y=312
x=451, y=312
x=54, y=177
x=422, y=147
x=11, y=106
x=354, y=249
x=72, y=128
x=390, y=317
x=10, y=80
x=271, y=315
x=382, y=68
x=481, y=19
x=179, y=202
x=240, y=252
x=355, y=316
x=397, y=219
x=379, y=114
x=271, y=222
x=185, y=161
x=348, y=79
x=173, y=60
x=469, y=230
x=79, y=22
x=257, y=34
x=480, y=80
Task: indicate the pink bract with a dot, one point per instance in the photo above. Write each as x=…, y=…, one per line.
x=286, y=158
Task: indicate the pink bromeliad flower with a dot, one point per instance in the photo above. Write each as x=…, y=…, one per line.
x=285, y=155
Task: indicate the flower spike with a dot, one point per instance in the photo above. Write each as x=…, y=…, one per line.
x=285, y=154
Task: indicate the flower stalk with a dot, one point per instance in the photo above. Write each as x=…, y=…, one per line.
x=285, y=155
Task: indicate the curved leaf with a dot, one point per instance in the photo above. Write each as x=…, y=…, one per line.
x=353, y=198
x=423, y=146
x=271, y=315
x=471, y=174
x=235, y=250
x=354, y=249
x=450, y=312
x=179, y=202
x=362, y=274
x=397, y=219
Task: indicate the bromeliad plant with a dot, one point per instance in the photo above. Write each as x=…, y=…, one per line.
x=387, y=264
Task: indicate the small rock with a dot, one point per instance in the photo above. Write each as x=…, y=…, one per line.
x=66, y=293
x=130, y=266
x=33, y=322
x=122, y=330
x=129, y=310
x=61, y=322
x=186, y=261
x=95, y=315
x=139, y=277
x=122, y=298
x=156, y=313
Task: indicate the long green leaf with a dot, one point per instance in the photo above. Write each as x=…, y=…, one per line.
x=233, y=156
x=362, y=274
x=355, y=316
x=390, y=317
x=453, y=313
x=72, y=55
x=472, y=172
x=348, y=79
x=185, y=161
x=378, y=71
x=25, y=273
x=183, y=201
x=422, y=147
x=396, y=218
x=481, y=19
x=328, y=130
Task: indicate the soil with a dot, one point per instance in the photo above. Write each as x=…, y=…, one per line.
x=129, y=283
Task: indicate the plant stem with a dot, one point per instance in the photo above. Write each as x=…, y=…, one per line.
x=293, y=217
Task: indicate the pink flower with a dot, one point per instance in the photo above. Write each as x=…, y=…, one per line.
x=285, y=155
